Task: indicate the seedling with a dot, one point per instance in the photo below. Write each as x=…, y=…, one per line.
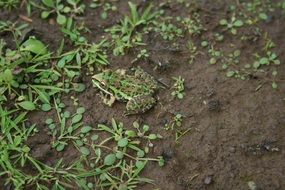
x=193, y=24
x=193, y=50
x=175, y=125
x=232, y=25
x=64, y=130
x=125, y=34
x=274, y=83
x=125, y=161
x=270, y=58
x=142, y=55
x=178, y=87
x=60, y=9
x=9, y=4
x=107, y=6
x=15, y=73
x=14, y=28
x=167, y=30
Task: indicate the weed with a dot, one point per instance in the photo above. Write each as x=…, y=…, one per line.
x=107, y=6
x=193, y=52
x=58, y=7
x=193, y=24
x=14, y=28
x=232, y=25
x=178, y=87
x=175, y=125
x=9, y=4
x=167, y=30
x=125, y=35
x=270, y=58
x=143, y=54
x=17, y=68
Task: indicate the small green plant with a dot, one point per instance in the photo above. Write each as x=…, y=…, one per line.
x=94, y=55
x=123, y=163
x=233, y=24
x=192, y=24
x=16, y=70
x=167, y=30
x=71, y=8
x=125, y=34
x=176, y=125
x=274, y=83
x=143, y=54
x=9, y=4
x=178, y=87
x=64, y=130
x=14, y=28
x=106, y=6
x=270, y=58
x=193, y=50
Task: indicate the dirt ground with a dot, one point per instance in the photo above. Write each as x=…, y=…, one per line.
x=237, y=132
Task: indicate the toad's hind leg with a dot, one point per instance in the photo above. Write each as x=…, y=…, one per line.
x=146, y=77
x=140, y=104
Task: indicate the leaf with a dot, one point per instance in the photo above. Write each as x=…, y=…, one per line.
x=80, y=110
x=119, y=155
x=131, y=133
x=180, y=96
x=60, y=147
x=49, y=121
x=79, y=143
x=48, y=3
x=140, y=164
x=46, y=107
x=140, y=153
x=134, y=13
x=274, y=85
x=238, y=23
x=17, y=140
x=152, y=136
x=79, y=87
x=8, y=75
x=274, y=73
x=43, y=96
x=26, y=149
x=66, y=59
x=77, y=118
x=123, y=142
x=61, y=19
x=230, y=73
x=85, y=151
x=45, y=14
x=34, y=46
x=94, y=137
x=263, y=16
x=264, y=61
x=66, y=114
x=86, y=129
x=256, y=65
x=223, y=22
x=110, y=159
x=27, y=105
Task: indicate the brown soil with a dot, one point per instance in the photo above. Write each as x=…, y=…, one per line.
x=237, y=133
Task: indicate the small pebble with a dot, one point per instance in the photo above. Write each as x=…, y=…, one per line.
x=232, y=149
x=167, y=154
x=252, y=185
x=208, y=180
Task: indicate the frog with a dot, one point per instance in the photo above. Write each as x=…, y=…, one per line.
x=135, y=86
